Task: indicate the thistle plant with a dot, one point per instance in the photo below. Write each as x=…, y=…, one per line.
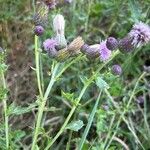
x=86, y=68
x=59, y=50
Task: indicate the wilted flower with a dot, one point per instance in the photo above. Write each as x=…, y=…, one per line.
x=112, y=43
x=39, y=30
x=59, y=24
x=50, y=47
x=59, y=28
x=41, y=16
x=104, y=52
x=140, y=34
x=116, y=69
x=91, y=51
x=125, y=45
x=72, y=49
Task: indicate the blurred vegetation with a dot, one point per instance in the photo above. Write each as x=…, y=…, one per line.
x=94, y=20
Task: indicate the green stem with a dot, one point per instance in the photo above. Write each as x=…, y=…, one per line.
x=37, y=63
x=123, y=113
x=5, y=112
x=42, y=106
x=44, y=98
x=67, y=119
x=79, y=98
x=90, y=120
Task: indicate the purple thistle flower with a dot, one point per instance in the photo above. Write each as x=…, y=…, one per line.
x=116, y=69
x=50, y=47
x=104, y=52
x=112, y=43
x=140, y=34
x=39, y=30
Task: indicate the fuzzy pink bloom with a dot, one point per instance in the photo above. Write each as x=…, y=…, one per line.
x=105, y=53
x=140, y=34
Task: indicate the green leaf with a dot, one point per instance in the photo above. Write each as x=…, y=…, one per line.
x=68, y=96
x=75, y=125
x=83, y=79
x=134, y=10
x=101, y=83
x=18, y=135
x=18, y=110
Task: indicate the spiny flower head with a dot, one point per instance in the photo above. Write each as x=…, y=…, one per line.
x=39, y=30
x=125, y=45
x=116, y=69
x=112, y=43
x=104, y=52
x=50, y=47
x=140, y=34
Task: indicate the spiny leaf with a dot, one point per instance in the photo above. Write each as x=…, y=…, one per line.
x=18, y=110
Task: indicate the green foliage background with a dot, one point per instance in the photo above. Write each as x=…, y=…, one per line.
x=94, y=20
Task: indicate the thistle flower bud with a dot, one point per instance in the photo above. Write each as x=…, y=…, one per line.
x=104, y=52
x=59, y=24
x=91, y=51
x=39, y=30
x=50, y=47
x=116, y=70
x=125, y=45
x=112, y=43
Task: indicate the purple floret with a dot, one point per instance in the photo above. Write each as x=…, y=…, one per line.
x=50, y=47
x=105, y=53
x=140, y=34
